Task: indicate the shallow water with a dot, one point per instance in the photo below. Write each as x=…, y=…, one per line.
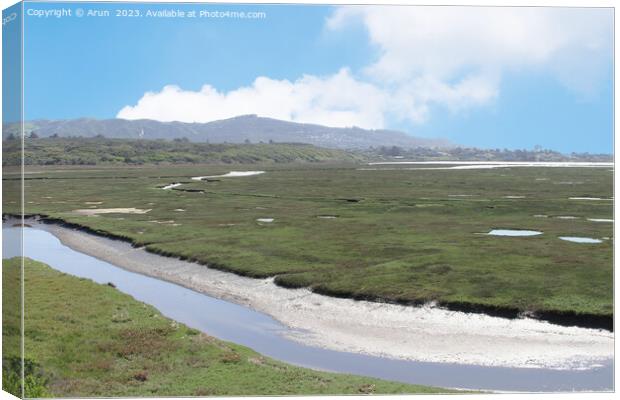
x=590, y=198
x=498, y=164
x=245, y=326
x=577, y=239
x=231, y=174
x=172, y=185
x=513, y=232
x=468, y=165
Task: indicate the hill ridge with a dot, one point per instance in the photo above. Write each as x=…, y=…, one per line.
x=239, y=129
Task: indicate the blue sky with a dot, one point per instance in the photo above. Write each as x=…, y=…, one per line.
x=547, y=83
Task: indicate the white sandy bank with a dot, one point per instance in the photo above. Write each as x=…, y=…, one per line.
x=400, y=332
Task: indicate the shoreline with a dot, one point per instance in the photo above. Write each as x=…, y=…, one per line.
x=421, y=333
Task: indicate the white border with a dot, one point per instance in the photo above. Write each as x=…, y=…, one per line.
x=505, y=3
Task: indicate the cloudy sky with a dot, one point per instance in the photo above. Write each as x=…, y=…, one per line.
x=489, y=77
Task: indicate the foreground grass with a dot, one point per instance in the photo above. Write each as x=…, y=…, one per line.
x=85, y=339
x=400, y=235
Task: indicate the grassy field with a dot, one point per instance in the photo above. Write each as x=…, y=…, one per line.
x=85, y=339
x=399, y=235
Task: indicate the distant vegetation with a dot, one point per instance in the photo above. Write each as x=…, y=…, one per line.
x=90, y=340
x=476, y=154
x=101, y=150
x=98, y=150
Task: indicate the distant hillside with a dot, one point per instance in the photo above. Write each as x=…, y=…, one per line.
x=234, y=130
x=94, y=151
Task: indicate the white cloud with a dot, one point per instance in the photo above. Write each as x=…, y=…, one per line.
x=453, y=44
x=411, y=99
x=451, y=57
x=337, y=100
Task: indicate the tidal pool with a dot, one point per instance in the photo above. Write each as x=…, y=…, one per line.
x=496, y=164
x=589, y=198
x=231, y=174
x=577, y=239
x=172, y=185
x=513, y=232
x=95, y=211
